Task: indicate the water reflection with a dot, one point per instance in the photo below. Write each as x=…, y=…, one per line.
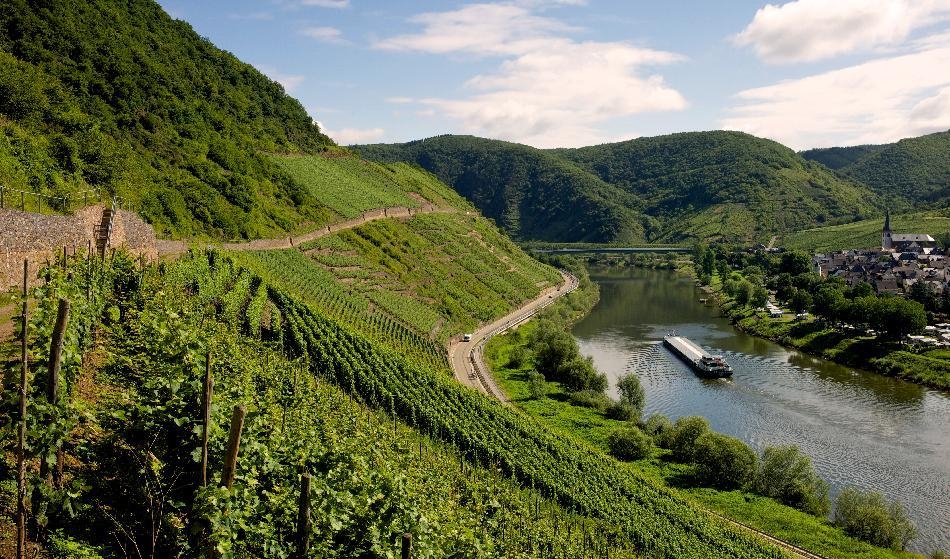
x=859, y=428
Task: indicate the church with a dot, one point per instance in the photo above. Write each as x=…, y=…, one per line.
x=905, y=242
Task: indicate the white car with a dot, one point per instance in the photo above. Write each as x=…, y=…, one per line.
x=467, y=338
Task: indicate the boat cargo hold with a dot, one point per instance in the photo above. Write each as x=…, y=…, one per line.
x=704, y=364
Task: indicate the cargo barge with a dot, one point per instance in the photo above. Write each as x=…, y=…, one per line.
x=704, y=364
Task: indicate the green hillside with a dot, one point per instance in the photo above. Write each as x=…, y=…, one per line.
x=129, y=421
x=676, y=188
x=867, y=233
x=530, y=193
x=838, y=157
x=725, y=185
x=119, y=96
x=913, y=172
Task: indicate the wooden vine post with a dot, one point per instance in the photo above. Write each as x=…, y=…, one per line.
x=21, y=438
x=206, y=407
x=303, y=517
x=55, y=365
x=406, y=545
x=234, y=443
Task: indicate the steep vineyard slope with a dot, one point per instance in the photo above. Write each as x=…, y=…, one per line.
x=119, y=96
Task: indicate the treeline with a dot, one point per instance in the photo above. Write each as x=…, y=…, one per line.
x=122, y=97
x=913, y=171
x=660, y=189
x=532, y=194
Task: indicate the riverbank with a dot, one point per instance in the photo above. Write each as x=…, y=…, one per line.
x=820, y=339
x=591, y=427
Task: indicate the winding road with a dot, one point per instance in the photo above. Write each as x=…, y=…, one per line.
x=467, y=358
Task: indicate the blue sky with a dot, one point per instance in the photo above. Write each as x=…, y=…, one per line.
x=567, y=73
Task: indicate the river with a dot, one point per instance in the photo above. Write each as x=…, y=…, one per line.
x=859, y=428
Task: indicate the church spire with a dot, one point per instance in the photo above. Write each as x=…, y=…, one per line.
x=886, y=242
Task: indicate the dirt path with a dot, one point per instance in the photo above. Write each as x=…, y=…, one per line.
x=467, y=358
x=174, y=248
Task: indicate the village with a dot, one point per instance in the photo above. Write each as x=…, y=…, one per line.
x=902, y=261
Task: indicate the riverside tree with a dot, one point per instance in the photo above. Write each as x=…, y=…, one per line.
x=722, y=461
x=631, y=392
x=869, y=517
x=787, y=475
x=682, y=438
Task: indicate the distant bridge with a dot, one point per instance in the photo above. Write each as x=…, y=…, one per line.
x=611, y=250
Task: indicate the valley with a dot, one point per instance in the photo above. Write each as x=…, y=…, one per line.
x=283, y=347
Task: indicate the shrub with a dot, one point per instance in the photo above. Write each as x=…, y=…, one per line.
x=787, y=476
x=590, y=399
x=683, y=436
x=64, y=547
x=868, y=517
x=723, y=462
x=658, y=426
x=631, y=392
x=536, y=385
x=622, y=411
x=579, y=374
x=629, y=443
x=518, y=357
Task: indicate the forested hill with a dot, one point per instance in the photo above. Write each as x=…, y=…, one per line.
x=121, y=96
x=698, y=185
x=913, y=171
x=532, y=194
x=840, y=157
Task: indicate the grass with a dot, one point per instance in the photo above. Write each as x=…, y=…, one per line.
x=555, y=410
x=592, y=427
x=803, y=530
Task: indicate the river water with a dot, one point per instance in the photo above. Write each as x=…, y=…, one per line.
x=859, y=428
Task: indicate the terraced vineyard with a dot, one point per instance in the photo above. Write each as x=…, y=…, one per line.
x=656, y=521
x=350, y=186
x=439, y=274
x=131, y=434
x=293, y=271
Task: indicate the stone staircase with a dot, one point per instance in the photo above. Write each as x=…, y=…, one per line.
x=103, y=231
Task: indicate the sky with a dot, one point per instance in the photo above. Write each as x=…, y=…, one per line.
x=570, y=73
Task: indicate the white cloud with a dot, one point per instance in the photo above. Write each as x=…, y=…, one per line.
x=326, y=3
x=483, y=29
x=347, y=136
x=549, y=90
x=324, y=34
x=289, y=81
x=878, y=101
x=808, y=30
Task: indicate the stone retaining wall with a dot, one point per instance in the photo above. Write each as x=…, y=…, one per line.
x=40, y=238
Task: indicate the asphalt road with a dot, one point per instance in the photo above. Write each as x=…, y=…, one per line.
x=467, y=359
